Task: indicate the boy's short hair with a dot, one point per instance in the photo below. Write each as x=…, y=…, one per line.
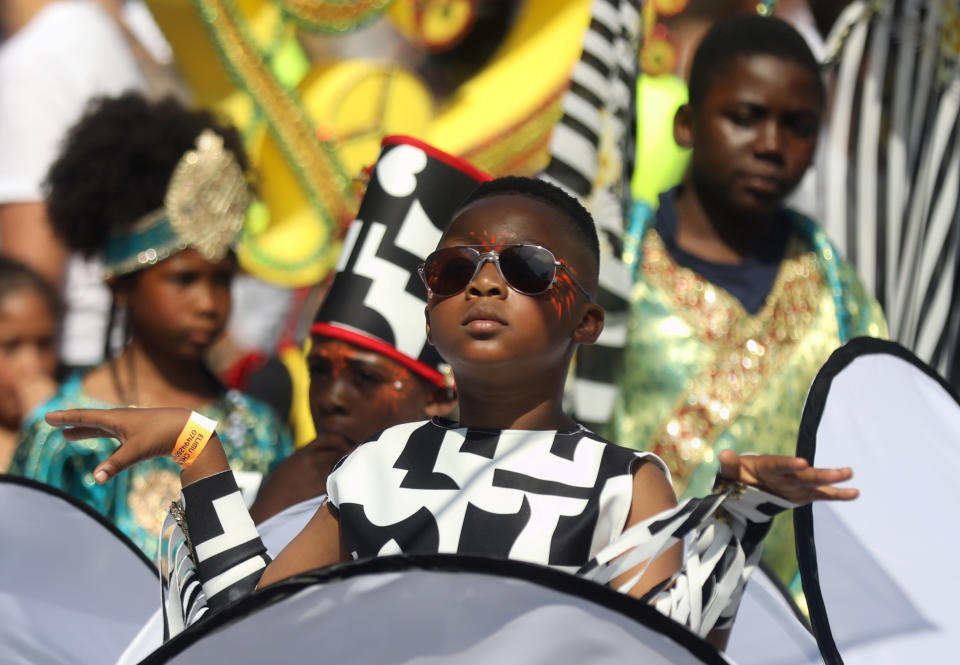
x=747, y=35
x=550, y=194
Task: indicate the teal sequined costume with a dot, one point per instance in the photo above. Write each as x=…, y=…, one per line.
x=137, y=499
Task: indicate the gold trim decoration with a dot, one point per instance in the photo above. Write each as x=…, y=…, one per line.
x=149, y=493
x=204, y=208
x=207, y=198
x=749, y=349
x=334, y=15
x=314, y=162
x=522, y=148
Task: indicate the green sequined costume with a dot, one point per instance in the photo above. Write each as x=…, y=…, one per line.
x=137, y=499
x=703, y=375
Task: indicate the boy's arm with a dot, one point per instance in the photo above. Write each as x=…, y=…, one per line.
x=318, y=545
x=652, y=494
x=231, y=559
x=726, y=530
x=221, y=533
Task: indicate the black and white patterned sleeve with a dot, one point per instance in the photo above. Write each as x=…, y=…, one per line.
x=214, y=553
x=227, y=550
x=724, y=534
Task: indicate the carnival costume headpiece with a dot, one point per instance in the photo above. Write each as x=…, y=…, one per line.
x=204, y=209
x=377, y=299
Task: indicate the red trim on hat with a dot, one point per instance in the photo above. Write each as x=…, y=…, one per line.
x=451, y=160
x=379, y=346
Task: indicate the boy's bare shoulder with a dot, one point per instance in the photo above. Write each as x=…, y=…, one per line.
x=652, y=491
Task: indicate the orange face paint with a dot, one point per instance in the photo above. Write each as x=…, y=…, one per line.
x=380, y=383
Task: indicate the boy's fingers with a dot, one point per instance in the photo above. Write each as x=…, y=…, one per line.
x=729, y=465
x=67, y=417
x=829, y=493
x=80, y=433
x=123, y=457
x=780, y=465
x=99, y=418
x=815, y=477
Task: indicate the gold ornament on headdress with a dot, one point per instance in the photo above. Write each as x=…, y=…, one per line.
x=204, y=208
x=208, y=197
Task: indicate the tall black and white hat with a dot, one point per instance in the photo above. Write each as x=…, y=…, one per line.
x=376, y=300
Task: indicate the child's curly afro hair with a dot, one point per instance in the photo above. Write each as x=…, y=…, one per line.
x=116, y=162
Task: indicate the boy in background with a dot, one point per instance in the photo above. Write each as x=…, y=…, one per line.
x=737, y=301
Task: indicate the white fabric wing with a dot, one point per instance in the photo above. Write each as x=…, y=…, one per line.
x=892, y=420
x=73, y=590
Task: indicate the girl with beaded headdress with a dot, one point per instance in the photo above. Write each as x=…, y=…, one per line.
x=162, y=193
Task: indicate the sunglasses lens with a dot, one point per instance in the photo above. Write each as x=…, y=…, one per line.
x=528, y=269
x=449, y=270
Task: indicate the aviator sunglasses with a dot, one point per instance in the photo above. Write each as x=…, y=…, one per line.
x=527, y=269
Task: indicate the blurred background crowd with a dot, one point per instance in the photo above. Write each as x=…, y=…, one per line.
x=177, y=178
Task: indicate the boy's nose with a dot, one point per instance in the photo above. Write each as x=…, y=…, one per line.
x=29, y=360
x=332, y=397
x=487, y=282
x=770, y=139
x=205, y=298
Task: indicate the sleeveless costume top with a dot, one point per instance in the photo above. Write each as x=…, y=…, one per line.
x=544, y=497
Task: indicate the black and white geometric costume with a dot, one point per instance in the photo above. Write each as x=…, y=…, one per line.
x=546, y=497
x=558, y=499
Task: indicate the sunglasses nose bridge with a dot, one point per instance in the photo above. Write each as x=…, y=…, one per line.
x=483, y=258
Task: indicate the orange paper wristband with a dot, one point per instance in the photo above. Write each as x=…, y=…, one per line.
x=193, y=438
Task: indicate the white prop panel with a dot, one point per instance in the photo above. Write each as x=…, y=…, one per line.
x=438, y=609
x=277, y=531
x=885, y=561
x=767, y=630
x=73, y=590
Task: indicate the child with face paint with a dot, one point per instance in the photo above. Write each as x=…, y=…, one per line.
x=369, y=371
x=354, y=393
x=510, y=288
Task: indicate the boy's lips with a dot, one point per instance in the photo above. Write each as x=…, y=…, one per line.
x=482, y=319
x=335, y=441
x=202, y=335
x=762, y=183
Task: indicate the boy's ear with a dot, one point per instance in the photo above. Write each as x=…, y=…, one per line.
x=441, y=402
x=590, y=325
x=683, y=126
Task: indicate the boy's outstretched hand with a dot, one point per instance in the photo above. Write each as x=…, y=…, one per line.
x=789, y=477
x=143, y=433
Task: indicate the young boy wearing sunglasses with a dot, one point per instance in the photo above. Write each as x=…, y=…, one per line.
x=511, y=288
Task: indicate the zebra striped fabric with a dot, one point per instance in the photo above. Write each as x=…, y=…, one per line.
x=591, y=157
x=725, y=531
x=889, y=168
x=184, y=602
x=214, y=553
